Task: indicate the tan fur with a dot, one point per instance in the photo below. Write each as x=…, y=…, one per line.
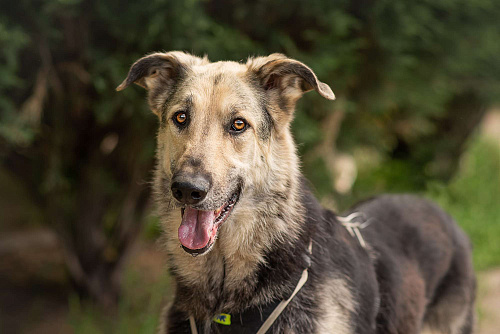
x=215, y=93
x=243, y=245
x=336, y=304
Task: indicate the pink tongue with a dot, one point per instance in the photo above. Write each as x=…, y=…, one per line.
x=196, y=228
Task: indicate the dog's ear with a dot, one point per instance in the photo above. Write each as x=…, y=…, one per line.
x=158, y=73
x=285, y=80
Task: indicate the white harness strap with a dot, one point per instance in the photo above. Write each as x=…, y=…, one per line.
x=192, y=323
x=277, y=311
x=354, y=227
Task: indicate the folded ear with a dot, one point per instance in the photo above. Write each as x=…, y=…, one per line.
x=285, y=80
x=158, y=73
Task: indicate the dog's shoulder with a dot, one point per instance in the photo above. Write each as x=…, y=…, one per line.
x=343, y=282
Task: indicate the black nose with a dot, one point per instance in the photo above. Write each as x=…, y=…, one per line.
x=190, y=190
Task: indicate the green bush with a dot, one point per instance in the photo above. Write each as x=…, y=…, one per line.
x=473, y=199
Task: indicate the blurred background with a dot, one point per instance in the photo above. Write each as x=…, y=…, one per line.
x=417, y=110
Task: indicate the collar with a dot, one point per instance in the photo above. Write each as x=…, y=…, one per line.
x=248, y=322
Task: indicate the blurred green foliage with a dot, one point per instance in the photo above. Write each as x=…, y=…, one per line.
x=138, y=311
x=473, y=197
x=413, y=81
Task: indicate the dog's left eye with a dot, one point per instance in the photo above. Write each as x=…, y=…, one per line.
x=238, y=125
x=180, y=118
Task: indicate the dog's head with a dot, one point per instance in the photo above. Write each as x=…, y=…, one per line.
x=224, y=132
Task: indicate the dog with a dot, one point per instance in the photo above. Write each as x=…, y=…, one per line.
x=250, y=248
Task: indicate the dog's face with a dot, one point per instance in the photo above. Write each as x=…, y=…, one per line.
x=217, y=122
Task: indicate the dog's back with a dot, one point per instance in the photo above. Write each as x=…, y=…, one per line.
x=423, y=266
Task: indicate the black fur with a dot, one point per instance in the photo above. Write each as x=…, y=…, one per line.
x=417, y=259
x=416, y=270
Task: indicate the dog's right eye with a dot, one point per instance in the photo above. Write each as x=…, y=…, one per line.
x=239, y=125
x=180, y=118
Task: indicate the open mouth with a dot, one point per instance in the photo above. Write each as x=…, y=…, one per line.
x=199, y=228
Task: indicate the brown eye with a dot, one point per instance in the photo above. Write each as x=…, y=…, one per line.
x=238, y=125
x=180, y=118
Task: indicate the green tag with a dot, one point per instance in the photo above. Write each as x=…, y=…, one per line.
x=223, y=319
